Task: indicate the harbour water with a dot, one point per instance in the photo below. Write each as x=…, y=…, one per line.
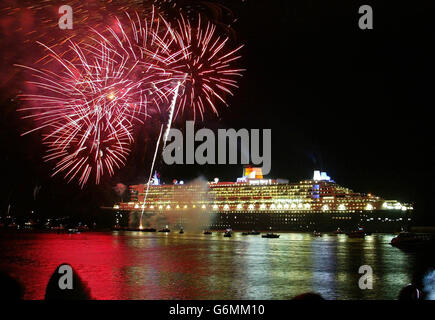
x=135, y=265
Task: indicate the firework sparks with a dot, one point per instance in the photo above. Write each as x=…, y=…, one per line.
x=87, y=111
x=203, y=63
x=88, y=104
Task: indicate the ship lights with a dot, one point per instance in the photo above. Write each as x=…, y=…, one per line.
x=369, y=207
x=341, y=207
x=325, y=207
x=394, y=205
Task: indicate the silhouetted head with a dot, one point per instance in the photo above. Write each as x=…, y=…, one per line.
x=10, y=288
x=66, y=284
x=410, y=292
x=309, y=296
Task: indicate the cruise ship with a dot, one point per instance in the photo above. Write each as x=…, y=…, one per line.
x=254, y=202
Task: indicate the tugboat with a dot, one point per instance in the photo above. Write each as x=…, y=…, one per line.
x=270, y=235
x=228, y=233
x=207, y=232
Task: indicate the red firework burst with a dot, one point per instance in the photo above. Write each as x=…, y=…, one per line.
x=87, y=110
x=203, y=64
x=90, y=96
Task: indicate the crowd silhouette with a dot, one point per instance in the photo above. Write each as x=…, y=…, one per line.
x=11, y=288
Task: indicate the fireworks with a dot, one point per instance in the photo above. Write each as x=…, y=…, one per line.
x=87, y=111
x=89, y=97
x=204, y=65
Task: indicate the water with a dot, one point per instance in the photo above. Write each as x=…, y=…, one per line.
x=133, y=265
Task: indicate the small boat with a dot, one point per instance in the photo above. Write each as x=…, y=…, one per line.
x=338, y=231
x=181, y=231
x=73, y=230
x=164, y=230
x=317, y=234
x=141, y=229
x=250, y=233
x=270, y=235
x=357, y=234
x=411, y=240
x=228, y=233
x=207, y=232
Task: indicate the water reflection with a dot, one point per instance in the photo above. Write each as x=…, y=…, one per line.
x=134, y=265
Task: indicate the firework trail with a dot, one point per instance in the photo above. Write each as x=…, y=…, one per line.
x=149, y=178
x=171, y=114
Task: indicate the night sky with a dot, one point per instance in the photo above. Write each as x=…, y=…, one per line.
x=355, y=103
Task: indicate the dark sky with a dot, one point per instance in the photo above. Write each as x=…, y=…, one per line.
x=355, y=103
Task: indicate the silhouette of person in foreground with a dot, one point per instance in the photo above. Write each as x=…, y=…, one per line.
x=310, y=296
x=56, y=289
x=10, y=288
x=410, y=292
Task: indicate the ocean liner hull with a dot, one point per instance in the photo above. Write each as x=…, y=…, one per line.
x=376, y=221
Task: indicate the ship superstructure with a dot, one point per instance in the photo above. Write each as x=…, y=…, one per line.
x=256, y=202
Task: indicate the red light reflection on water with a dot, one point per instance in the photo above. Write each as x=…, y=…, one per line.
x=113, y=266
